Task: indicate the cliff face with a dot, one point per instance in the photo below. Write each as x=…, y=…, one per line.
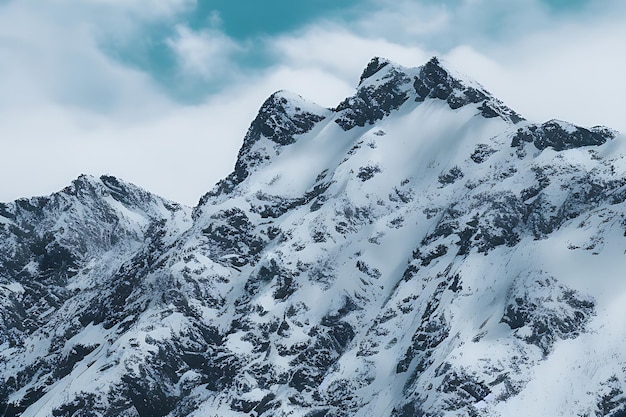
x=420, y=250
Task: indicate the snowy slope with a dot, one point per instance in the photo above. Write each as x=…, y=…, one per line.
x=419, y=250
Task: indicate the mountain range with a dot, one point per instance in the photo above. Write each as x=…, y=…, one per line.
x=419, y=250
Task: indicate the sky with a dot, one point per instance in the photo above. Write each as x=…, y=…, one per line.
x=160, y=93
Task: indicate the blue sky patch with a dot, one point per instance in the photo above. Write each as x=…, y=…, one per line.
x=251, y=18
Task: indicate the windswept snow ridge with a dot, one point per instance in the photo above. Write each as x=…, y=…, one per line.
x=419, y=250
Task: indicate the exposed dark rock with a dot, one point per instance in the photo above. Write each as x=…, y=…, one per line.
x=368, y=172
x=528, y=309
x=373, y=102
x=434, y=81
x=612, y=401
x=328, y=342
x=560, y=136
x=276, y=206
x=76, y=355
x=231, y=237
x=481, y=153
x=451, y=176
x=375, y=65
x=466, y=388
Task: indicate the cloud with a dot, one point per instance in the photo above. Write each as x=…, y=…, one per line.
x=206, y=53
x=178, y=152
x=571, y=72
x=442, y=25
x=49, y=58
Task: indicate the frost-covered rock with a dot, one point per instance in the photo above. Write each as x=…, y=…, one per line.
x=419, y=250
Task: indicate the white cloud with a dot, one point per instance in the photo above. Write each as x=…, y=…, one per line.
x=178, y=152
x=445, y=24
x=405, y=21
x=206, y=53
x=58, y=60
x=572, y=72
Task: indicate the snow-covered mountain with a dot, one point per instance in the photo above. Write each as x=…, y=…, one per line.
x=419, y=250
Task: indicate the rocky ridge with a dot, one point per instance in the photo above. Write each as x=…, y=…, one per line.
x=419, y=250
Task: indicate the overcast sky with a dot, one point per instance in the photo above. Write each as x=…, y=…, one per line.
x=161, y=92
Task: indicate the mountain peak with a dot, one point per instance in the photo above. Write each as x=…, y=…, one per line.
x=375, y=65
x=438, y=64
x=281, y=119
x=560, y=135
x=378, y=63
x=89, y=185
x=436, y=81
x=283, y=115
x=385, y=86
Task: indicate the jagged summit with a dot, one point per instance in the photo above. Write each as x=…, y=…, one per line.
x=560, y=135
x=375, y=65
x=386, y=80
x=282, y=117
x=384, y=88
x=104, y=185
